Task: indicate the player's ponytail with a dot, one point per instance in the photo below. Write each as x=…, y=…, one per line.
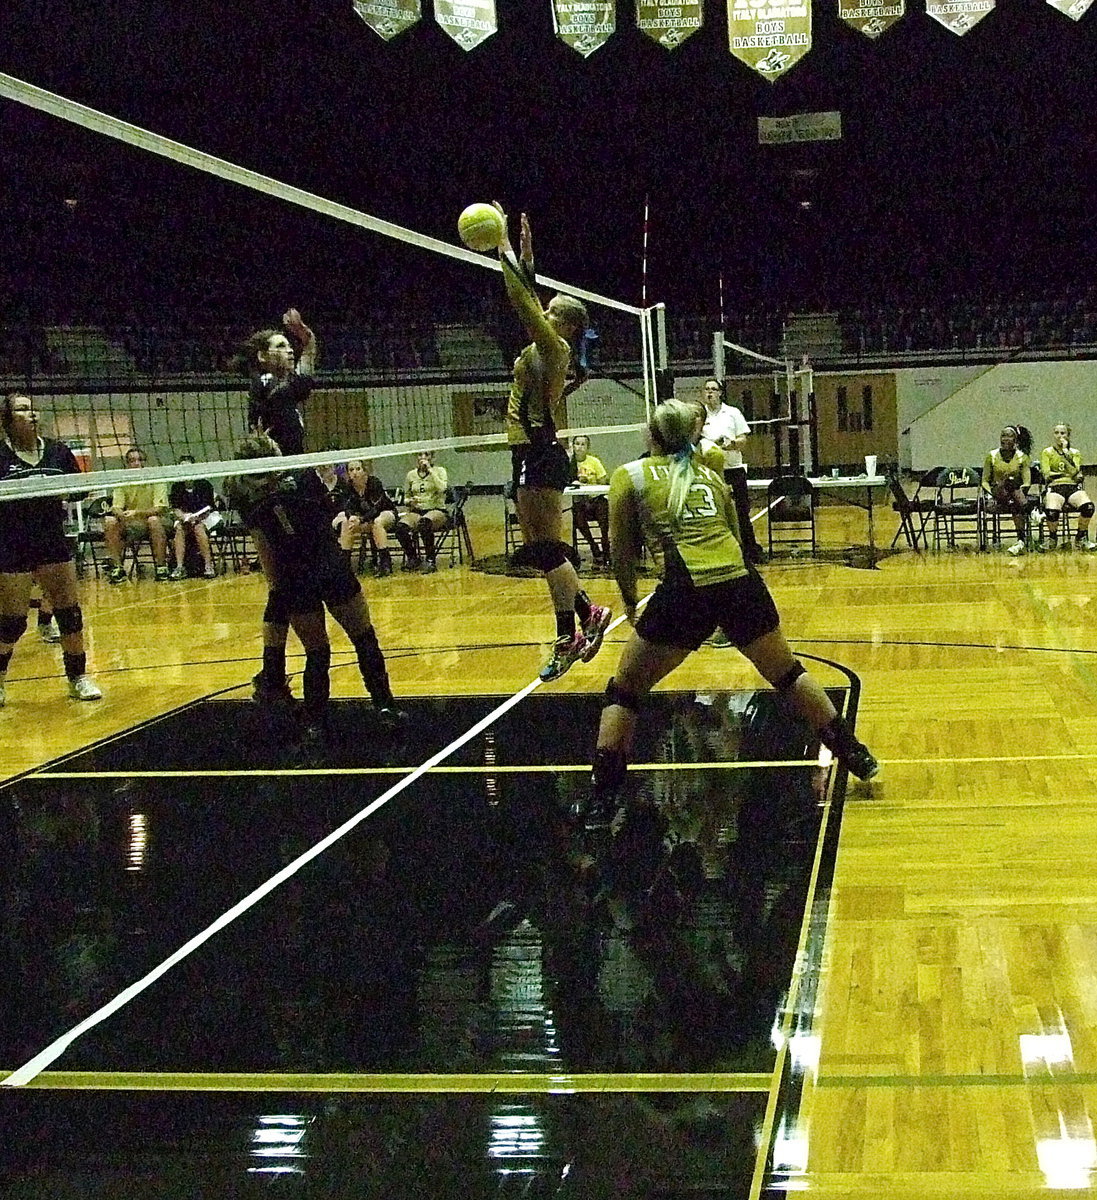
x=672, y=425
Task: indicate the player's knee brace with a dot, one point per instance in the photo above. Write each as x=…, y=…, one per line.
x=12, y=628
x=789, y=678
x=543, y=555
x=69, y=620
x=1087, y=510
x=615, y=694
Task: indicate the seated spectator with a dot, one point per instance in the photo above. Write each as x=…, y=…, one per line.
x=1061, y=467
x=193, y=505
x=587, y=469
x=425, y=512
x=365, y=509
x=1007, y=476
x=137, y=511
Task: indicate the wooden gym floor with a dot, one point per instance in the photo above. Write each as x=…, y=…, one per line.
x=904, y=974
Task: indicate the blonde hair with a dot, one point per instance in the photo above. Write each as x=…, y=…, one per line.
x=573, y=311
x=671, y=427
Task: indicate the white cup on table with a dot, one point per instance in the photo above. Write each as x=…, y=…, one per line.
x=870, y=465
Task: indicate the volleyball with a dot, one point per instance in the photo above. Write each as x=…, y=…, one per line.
x=481, y=227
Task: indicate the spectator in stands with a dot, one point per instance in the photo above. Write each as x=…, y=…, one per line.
x=424, y=513
x=1007, y=476
x=1061, y=467
x=33, y=546
x=137, y=511
x=365, y=509
x=193, y=505
x=726, y=427
x=586, y=469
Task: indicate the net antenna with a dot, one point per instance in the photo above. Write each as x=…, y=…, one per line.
x=423, y=412
x=792, y=404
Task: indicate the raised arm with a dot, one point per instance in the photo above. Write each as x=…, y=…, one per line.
x=306, y=356
x=519, y=279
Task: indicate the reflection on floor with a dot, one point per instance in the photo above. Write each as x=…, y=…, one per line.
x=465, y=927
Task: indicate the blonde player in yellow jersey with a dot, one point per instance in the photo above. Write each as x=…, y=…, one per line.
x=1061, y=467
x=544, y=373
x=683, y=511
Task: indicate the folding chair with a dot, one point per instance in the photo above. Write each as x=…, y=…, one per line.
x=958, y=511
x=791, y=513
x=914, y=511
x=512, y=529
x=455, y=537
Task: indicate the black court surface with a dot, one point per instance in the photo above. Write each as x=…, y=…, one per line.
x=465, y=995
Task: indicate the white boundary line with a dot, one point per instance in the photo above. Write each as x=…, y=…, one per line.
x=36, y=1065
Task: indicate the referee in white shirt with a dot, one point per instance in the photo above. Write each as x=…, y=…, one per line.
x=726, y=427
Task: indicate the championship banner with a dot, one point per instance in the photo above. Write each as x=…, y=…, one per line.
x=871, y=19
x=768, y=35
x=959, y=15
x=669, y=22
x=387, y=18
x=584, y=25
x=468, y=22
x=1072, y=8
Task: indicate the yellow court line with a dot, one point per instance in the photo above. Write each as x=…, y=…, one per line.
x=471, y=769
x=424, y=1084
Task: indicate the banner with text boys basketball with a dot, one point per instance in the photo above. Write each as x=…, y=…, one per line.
x=669, y=22
x=769, y=36
x=468, y=22
x=584, y=25
x=387, y=18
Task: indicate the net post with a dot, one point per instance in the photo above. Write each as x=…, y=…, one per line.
x=718, y=361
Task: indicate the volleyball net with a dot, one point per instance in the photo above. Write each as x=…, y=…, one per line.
x=136, y=327
x=777, y=397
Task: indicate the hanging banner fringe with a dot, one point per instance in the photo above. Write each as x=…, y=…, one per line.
x=769, y=36
x=871, y=19
x=669, y=22
x=468, y=22
x=1076, y=9
x=959, y=16
x=584, y=25
x=387, y=18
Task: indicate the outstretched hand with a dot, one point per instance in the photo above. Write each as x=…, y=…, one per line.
x=291, y=318
x=504, y=242
x=527, y=242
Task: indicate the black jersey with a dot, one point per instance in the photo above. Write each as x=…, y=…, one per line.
x=296, y=523
x=192, y=497
x=43, y=517
x=275, y=405
x=369, y=505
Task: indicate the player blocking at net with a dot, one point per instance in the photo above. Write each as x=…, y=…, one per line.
x=545, y=372
x=292, y=529
x=280, y=380
x=33, y=546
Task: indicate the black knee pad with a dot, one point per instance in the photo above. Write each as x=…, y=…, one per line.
x=276, y=611
x=790, y=677
x=571, y=554
x=544, y=555
x=12, y=628
x=69, y=620
x=615, y=694
x=1086, y=510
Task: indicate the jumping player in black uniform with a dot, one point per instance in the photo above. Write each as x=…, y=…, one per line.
x=281, y=380
x=33, y=546
x=292, y=530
